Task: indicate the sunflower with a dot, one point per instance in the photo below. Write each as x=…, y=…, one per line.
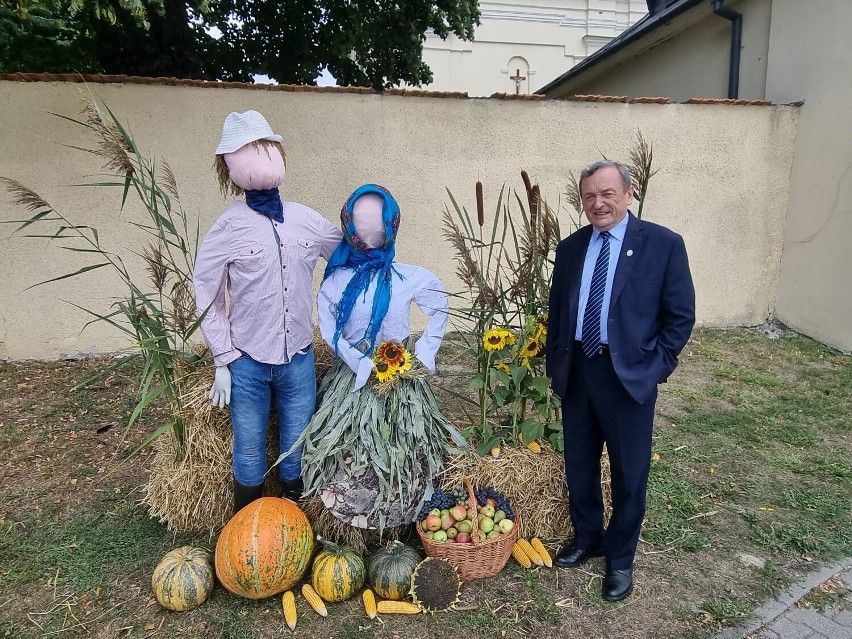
x=391, y=353
x=502, y=366
x=532, y=348
x=405, y=364
x=540, y=334
x=497, y=339
x=384, y=372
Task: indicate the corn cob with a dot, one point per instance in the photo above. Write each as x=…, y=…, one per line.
x=535, y=542
x=495, y=452
x=534, y=446
x=387, y=606
x=288, y=601
x=314, y=600
x=530, y=551
x=369, y=603
x=520, y=556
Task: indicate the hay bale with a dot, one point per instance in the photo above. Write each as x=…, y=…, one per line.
x=196, y=493
x=533, y=483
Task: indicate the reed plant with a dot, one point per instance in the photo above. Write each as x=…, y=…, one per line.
x=158, y=316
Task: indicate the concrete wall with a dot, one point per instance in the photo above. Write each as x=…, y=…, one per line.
x=722, y=183
x=810, y=59
x=551, y=36
x=684, y=63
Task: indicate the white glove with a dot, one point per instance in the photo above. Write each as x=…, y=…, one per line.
x=365, y=367
x=220, y=394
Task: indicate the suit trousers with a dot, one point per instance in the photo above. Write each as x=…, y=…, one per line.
x=597, y=409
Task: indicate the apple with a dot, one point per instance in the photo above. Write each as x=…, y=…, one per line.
x=464, y=526
x=435, y=511
x=487, y=510
x=430, y=534
x=470, y=513
x=439, y=535
x=458, y=512
x=506, y=525
x=432, y=522
x=447, y=522
x=491, y=501
x=486, y=525
x=494, y=533
x=498, y=516
x=452, y=532
x=444, y=512
x=462, y=538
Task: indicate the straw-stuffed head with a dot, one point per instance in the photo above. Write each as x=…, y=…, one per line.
x=249, y=157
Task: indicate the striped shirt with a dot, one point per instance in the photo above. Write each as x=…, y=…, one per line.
x=268, y=280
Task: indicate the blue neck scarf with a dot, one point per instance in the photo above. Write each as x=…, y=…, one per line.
x=368, y=263
x=266, y=202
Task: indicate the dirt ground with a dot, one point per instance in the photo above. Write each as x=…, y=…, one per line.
x=77, y=548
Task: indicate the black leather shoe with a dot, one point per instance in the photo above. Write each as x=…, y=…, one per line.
x=570, y=556
x=617, y=584
x=293, y=488
x=245, y=494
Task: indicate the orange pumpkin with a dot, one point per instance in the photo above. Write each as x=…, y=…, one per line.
x=264, y=549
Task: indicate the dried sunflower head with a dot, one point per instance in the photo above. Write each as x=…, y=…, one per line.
x=435, y=585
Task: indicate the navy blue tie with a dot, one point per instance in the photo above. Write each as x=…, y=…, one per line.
x=592, y=314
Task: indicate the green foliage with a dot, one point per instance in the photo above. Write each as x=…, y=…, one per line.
x=160, y=318
x=375, y=44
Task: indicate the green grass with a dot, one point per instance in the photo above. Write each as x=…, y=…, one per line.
x=87, y=550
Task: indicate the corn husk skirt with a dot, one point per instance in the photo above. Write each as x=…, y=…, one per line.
x=371, y=455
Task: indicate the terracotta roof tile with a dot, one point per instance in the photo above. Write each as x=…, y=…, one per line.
x=650, y=100
x=596, y=98
x=728, y=101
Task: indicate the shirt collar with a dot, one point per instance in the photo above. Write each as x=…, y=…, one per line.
x=617, y=232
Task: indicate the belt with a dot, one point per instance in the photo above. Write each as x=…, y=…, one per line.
x=603, y=349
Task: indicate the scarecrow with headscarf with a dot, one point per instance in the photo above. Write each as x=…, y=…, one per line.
x=262, y=250
x=378, y=437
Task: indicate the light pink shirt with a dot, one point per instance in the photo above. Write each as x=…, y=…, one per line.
x=269, y=285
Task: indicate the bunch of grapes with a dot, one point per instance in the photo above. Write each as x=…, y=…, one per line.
x=439, y=500
x=501, y=503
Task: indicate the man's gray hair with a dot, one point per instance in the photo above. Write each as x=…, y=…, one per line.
x=594, y=167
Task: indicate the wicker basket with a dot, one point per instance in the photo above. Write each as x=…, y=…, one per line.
x=478, y=559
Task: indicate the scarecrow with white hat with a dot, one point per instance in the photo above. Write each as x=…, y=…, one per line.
x=263, y=251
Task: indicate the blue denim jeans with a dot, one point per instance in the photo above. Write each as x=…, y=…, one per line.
x=253, y=385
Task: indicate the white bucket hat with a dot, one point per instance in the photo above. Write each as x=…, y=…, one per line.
x=241, y=128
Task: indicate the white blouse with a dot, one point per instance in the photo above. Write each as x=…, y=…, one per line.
x=418, y=285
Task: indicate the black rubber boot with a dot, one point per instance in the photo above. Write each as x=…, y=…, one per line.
x=293, y=488
x=244, y=495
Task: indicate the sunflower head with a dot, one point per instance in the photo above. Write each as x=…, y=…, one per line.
x=532, y=348
x=497, y=339
x=384, y=372
x=405, y=361
x=391, y=352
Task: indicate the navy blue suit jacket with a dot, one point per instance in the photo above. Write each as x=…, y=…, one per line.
x=651, y=312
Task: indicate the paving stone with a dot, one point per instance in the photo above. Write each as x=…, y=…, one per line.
x=846, y=577
x=788, y=629
x=844, y=618
x=818, y=623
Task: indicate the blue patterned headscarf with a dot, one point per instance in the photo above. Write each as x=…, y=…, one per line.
x=368, y=263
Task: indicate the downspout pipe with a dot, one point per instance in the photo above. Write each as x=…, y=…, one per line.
x=736, y=19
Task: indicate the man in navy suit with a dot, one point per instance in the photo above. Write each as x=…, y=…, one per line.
x=622, y=306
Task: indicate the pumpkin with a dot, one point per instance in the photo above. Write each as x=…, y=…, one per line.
x=391, y=567
x=338, y=572
x=183, y=579
x=264, y=549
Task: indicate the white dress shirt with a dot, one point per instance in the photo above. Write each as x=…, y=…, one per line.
x=418, y=285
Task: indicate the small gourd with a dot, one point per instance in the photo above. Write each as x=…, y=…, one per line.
x=391, y=567
x=338, y=572
x=183, y=579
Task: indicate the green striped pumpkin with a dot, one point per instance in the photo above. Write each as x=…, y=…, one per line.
x=391, y=567
x=183, y=579
x=338, y=572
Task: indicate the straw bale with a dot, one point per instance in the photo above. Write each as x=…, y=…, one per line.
x=534, y=483
x=196, y=493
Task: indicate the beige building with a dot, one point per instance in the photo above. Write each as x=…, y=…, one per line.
x=786, y=51
x=520, y=46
